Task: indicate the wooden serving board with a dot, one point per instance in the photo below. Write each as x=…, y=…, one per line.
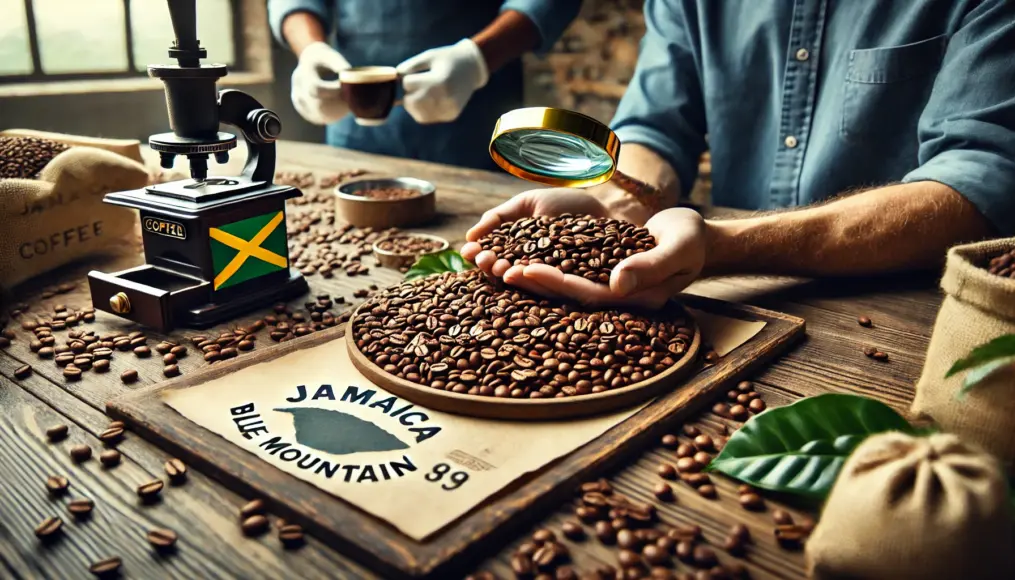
x=451, y=551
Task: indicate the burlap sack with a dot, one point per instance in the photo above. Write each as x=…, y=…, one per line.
x=922, y=508
x=59, y=216
x=978, y=307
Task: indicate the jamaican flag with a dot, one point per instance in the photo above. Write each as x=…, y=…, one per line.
x=247, y=249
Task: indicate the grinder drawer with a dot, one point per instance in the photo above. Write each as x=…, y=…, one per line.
x=143, y=294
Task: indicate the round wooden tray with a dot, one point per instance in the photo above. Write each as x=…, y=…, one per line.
x=525, y=409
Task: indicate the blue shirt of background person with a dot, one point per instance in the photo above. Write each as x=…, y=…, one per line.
x=450, y=111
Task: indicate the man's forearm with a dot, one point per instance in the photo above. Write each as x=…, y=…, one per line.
x=645, y=165
x=898, y=227
x=508, y=37
x=301, y=29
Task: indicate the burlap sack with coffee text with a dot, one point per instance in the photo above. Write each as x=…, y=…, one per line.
x=58, y=215
x=905, y=507
x=978, y=307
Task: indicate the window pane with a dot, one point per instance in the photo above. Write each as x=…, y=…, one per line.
x=15, y=48
x=79, y=36
x=153, y=31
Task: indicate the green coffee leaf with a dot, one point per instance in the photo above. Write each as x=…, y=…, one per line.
x=446, y=261
x=800, y=448
x=1000, y=347
x=978, y=374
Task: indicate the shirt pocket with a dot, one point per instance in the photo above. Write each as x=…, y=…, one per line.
x=886, y=89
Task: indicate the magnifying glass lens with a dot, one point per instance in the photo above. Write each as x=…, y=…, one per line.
x=553, y=154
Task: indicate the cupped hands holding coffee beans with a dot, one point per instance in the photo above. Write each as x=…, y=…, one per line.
x=651, y=264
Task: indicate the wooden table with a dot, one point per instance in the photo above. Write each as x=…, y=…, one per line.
x=204, y=513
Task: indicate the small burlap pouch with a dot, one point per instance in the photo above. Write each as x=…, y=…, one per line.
x=978, y=307
x=51, y=207
x=906, y=507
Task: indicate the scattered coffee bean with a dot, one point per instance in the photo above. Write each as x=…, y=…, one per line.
x=663, y=492
x=688, y=465
x=573, y=531
x=563, y=573
x=171, y=370
x=587, y=514
x=522, y=566
x=682, y=533
x=57, y=484
x=670, y=441
x=734, y=545
x=23, y=372
x=757, y=405
x=116, y=425
x=252, y=508
x=739, y=413
x=789, y=536
x=869, y=351
x=704, y=443
x=80, y=453
x=864, y=321
x=71, y=372
x=880, y=356
x=721, y=409
x=110, y=457
x=605, y=532
x=111, y=435
x=162, y=538
x=410, y=245
x=142, y=351
x=291, y=536
x=626, y=539
x=151, y=491
x=752, y=501
x=101, y=365
x=704, y=556
x=176, y=470
x=169, y=359
x=57, y=432
x=666, y=471
x=685, y=450
x=48, y=528
x=654, y=556
x=4, y=342
x=707, y=491
x=128, y=376
x=695, y=479
x=691, y=431
x=80, y=508
x=741, y=531
x=782, y=517
x=106, y=568
x=702, y=458
x=628, y=559
x=685, y=550
x=543, y=535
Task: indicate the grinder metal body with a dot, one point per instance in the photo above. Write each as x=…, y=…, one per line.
x=215, y=247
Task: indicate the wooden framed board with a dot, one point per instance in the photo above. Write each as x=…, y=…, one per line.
x=454, y=548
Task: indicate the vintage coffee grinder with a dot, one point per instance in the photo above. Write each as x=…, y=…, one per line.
x=214, y=246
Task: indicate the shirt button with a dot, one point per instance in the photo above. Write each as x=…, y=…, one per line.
x=802, y=54
x=790, y=141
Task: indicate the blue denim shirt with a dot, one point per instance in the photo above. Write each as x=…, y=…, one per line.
x=386, y=32
x=806, y=99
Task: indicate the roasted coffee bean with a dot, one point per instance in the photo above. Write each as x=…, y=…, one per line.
x=864, y=321
x=745, y=386
x=670, y=441
x=707, y=491
x=721, y=409
x=178, y=351
x=171, y=370
x=757, y=405
x=666, y=471
x=162, y=538
x=151, y=491
x=695, y=479
x=688, y=465
x=704, y=443
x=782, y=517
x=702, y=458
x=57, y=432
x=880, y=356
x=291, y=536
x=23, y=372
x=739, y=413
x=163, y=347
x=587, y=514
x=543, y=535
x=4, y=342
x=80, y=508
x=689, y=533
x=252, y=508
x=101, y=365
x=663, y=492
x=80, y=453
x=71, y=372
x=169, y=359
x=106, y=568
x=522, y=566
x=685, y=450
x=704, y=556
x=869, y=351
x=573, y=531
x=605, y=532
x=627, y=539
x=176, y=470
x=752, y=501
x=628, y=559
x=110, y=457
x=546, y=555
x=48, y=528
x=654, y=556
x=789, y=536
x=128, y=376
x=142, y=351
x=57, y=484
x=254, y=525
x=685, y=550
x=741, y=532
x=734, y=545
x=562, y=573
x=111, y=435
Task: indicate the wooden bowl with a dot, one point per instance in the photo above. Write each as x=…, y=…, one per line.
x=390, y=259
x=364, y=212
x=525, y=409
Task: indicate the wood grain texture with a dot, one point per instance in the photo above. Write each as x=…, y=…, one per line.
x=827, y=360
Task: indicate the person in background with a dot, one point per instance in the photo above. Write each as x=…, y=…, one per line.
x=892, y=122
x=460, y=61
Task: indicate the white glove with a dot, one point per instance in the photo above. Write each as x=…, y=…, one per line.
x=317, y=100
x=439, y=94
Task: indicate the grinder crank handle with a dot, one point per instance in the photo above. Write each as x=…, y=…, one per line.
x=260, y=128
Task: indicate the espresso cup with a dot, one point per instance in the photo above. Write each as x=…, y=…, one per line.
x=370, y=92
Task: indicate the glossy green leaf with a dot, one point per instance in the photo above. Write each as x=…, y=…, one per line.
x=800, y=448
x=1000, y=347
x=978, y=374
x=446, y=261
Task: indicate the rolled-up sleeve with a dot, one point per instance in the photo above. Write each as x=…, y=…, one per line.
x=967, y=129
x=551, y=17
x=279, y=9
x=663, y=108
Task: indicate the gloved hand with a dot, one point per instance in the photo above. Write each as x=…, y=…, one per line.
x=317, y=100
x=452, y=74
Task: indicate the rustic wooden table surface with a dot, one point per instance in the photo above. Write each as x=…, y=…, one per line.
x=204, y=513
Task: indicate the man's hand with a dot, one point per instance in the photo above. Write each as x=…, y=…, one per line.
x=647, y=279
x=315, y=99
x=440, y=81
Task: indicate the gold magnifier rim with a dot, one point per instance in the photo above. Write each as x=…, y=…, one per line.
x=557, y=121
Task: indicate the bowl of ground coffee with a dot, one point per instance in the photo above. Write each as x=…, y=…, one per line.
x=401, y=250
x=372, y=202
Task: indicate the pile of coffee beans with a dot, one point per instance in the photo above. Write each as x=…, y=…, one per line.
x=24, y=157
x=410, y=245
x=465, y=333
x=388, y=193
x=582, y=245
x=1003, y=265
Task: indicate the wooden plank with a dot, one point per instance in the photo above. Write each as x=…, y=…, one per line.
x=378, y=545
